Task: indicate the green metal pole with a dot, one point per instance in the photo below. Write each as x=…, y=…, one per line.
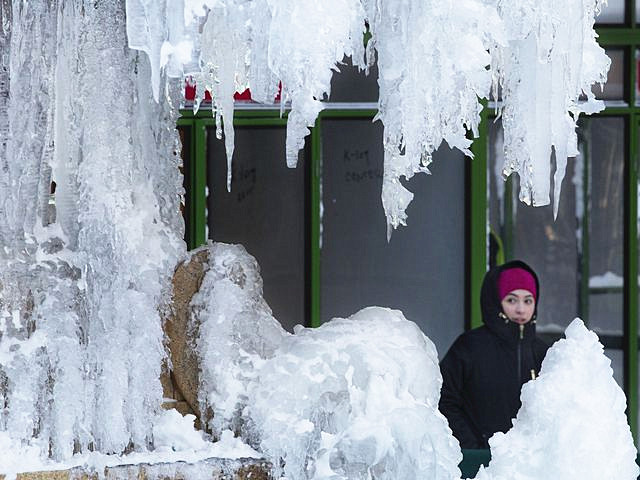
x=631, y=276
x=188, y=171
x=199, y=185
x=477, y=222
x=631, y=245
x=316, y=199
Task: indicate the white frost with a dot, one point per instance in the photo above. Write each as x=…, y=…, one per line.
x=176, y=441
x=236, y=333
x=606, y=280
x=355, y=398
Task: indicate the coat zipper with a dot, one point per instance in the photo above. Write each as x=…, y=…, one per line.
x=521, y=329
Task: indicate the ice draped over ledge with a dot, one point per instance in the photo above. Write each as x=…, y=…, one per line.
x=437, y=60
x=83, y=283
x=354, y=398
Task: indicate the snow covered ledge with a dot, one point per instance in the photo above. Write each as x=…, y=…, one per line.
x=211, y=469
x=181, y=452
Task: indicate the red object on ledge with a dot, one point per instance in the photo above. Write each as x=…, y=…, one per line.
x=190, y=93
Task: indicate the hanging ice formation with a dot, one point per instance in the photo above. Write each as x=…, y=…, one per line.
x=82, y=284
x=436, y=61
x=81, y=342
x=551, y=60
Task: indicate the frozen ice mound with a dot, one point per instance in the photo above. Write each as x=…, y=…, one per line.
x=355, y=398
x=572, y=422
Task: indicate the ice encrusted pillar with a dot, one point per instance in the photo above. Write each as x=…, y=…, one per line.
x=81, y=341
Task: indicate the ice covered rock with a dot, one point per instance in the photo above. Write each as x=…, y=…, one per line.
x=352, y=398
x=355, y=398
x=179, y=327
x=234, y=331
x=572, y=422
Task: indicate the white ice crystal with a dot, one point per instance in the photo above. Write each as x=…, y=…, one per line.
x=551, y=60
x=257, y=44
x=175, y=432
x=355, y=398
x=572, y=423
x=433, y=60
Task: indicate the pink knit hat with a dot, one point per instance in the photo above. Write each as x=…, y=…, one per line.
x=515, y=279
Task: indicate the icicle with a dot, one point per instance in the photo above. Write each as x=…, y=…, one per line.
x=429, y=83
x=435, y=61
x=550, y=61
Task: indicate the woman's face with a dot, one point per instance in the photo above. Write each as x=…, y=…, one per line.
x=519, y=305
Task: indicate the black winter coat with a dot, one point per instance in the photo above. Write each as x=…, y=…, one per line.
x=485, y=368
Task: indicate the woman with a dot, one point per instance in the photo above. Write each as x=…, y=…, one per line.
x=485, y=368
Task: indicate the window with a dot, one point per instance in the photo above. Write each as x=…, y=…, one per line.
x=319, y=231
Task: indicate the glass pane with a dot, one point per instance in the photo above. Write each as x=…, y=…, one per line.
x=617, y=358
x=604, y=148
x=605, y=312
x=580, y=274
x=614, y=87
x=552, y=249
x=264, y=212
x=613, y=12
x=531, y=234
x=352, y=85
x=421, y=271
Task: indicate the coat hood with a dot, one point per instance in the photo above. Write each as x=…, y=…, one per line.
x=491, y=307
